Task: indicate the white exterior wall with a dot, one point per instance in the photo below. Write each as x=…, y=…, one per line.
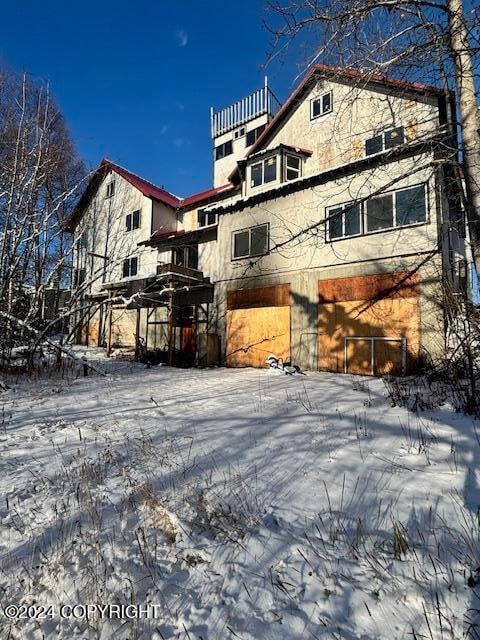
x=104, y=222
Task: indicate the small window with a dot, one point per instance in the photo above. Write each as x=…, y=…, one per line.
x=321, y=105
x=239, y=133
x=132, y=221
x=344, y=221
x=292, y=167
x=206, y=218
x=186, y=257
x=253, y=135
x=385, y=140
x=130, y=267
x=79, y=276
x=410, y=206
x=110, y=189
x=263, y=172
x=250, y=242
x=83, y=240
x=224, y=150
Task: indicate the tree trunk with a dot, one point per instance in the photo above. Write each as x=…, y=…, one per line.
x=469, y=122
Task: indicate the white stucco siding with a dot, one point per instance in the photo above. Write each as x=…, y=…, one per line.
x=357, y=114
x=289, y=215
x=105, y=222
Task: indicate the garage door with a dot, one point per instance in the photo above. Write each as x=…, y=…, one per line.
x=259, y=329
x=369, y=325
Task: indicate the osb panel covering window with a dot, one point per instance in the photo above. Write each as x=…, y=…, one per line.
x=253, y=334
x=391, y=285
x=275, y=296
x=355, y=307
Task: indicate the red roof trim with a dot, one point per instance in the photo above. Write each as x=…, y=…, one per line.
x=345, y=73
x=206, y=195
x=146, y=187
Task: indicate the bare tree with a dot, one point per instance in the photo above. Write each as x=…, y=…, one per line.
x=39, y=175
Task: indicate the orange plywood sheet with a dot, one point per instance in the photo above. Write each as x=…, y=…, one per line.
x=124, y=324
x=253, y=334
x=275, y=296
x=391, y=285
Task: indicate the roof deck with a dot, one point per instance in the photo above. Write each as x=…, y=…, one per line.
x=256, y=104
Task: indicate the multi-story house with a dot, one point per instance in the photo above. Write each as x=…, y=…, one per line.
x=327, y=239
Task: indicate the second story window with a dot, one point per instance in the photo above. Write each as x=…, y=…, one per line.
x=130, y=267
x=224, y=150
x=384, y=141
x=321, y=105
x=250, y=242
x=239, y=133
x=79, y=277
x=264, y=171
x=185, y=257
x=110, y=189
x=206, y=218
x=132, y=221
x=344, y=221
x=292, y=167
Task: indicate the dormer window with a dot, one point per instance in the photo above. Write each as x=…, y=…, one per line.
x=110, y=189
x=321, y=105
x=293, y=167
x=385, y=140
x=264, y=171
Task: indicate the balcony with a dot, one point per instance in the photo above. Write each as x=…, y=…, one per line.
x=262, y=101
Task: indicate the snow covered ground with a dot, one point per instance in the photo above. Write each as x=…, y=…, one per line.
x=243, y=504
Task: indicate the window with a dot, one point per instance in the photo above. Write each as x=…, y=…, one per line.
x=250, y=242
x=206, y=218
x=132, y=221
x=292, y=167
x=83, y=240
x=344, y=221
x=385, y=140
x=265, y=171
x=224, y=150
x=253, y=135
x=239, y=133
x=387, y=211
x=397, y=209
x=110, y=189
x=321, y=105
x=130, y=267
x=185, y=257
x=79, y=277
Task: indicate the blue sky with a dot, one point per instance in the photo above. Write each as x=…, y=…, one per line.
x=136, y=79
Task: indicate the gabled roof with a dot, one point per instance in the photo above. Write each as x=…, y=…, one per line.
x=204, y=196
x=321, y=71
x=144, y=186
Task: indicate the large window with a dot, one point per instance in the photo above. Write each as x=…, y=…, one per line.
x=224, y=150
x=250, y=242
x=130, y=267
x=386, y=211
x=132, y=221
x=186, y=257
x=264, y=171
x=384, y=141
x=206, y=218
x=321, y=105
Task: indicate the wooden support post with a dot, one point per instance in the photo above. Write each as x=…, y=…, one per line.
x=109, y=334
x=137, y=335
x=170, y=329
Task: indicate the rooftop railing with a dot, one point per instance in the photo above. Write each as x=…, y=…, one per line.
x=256, y=104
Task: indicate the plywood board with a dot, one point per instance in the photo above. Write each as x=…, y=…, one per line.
x=392, y=285
x=253, y=334
x=275, y=296
x=124, y=322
